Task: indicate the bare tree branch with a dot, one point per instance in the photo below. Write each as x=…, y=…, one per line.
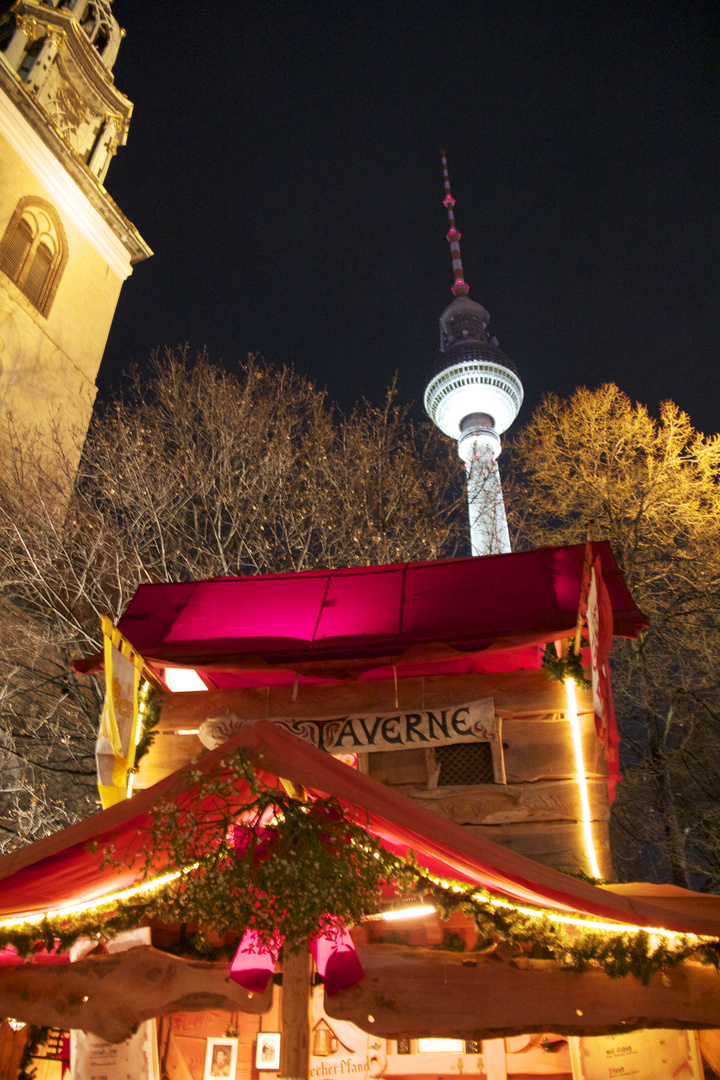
x=195, y=472
x=652, y=489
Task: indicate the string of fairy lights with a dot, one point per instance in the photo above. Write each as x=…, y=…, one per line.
x=143, y=695
x=40, y=921
x=442, y=896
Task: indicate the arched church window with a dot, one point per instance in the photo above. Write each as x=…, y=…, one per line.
x=89, y=19
x=98, y=23
x=33, y=252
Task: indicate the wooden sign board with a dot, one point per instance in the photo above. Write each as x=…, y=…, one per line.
x=659, y=1054
x=369, y=734
x=137, y=1056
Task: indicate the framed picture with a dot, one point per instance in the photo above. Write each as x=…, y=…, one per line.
x=267, y=1055
x=220, y=1058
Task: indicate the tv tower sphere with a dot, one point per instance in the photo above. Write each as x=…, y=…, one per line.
x=474, y=397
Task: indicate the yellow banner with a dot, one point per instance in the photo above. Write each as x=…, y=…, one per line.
x=119, y=723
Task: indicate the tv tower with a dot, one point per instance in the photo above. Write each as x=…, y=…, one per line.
x=474, y=397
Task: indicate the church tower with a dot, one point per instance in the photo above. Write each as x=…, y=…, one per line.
x=474, y=397
x=65, y=247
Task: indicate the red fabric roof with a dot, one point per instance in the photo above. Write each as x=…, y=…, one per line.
x=470, y=605
x=60, y=870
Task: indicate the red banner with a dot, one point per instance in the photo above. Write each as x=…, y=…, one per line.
x=600, y=633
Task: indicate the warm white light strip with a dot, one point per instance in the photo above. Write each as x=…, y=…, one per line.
x=102, y=901
x=408, y=912
x=575, y=734
x=589, y=924
x=144, y=691
x=141, y=712
x=586, y=923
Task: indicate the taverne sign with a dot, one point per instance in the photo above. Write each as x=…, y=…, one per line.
x=367, y=734
x=411, y=730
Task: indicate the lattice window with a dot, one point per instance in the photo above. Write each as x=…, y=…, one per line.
x=464, y=764
x=33, y=252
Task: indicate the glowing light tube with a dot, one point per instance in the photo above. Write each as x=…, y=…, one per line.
x=408, y=912
x=576, y=736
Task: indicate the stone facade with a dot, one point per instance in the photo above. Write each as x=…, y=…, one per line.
x=65, y=247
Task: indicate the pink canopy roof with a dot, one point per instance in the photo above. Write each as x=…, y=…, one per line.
x=375, y=614
x=61, y=870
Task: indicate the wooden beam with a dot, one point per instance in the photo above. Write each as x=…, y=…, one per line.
x=533, y=748
x=552, y=843
x=503, y=804
x=497, y=995
x=12, y=1047
x=514, y=692
x=530, y=703
x=111, y=995
x=542, y=750
x=295, y=1011
x=483, y=996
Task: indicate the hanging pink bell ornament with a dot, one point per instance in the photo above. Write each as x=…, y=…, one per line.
x=253, y=964
x=337, y=961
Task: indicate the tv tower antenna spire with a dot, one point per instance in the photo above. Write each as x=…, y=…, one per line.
x=460, y=287
x=474, y=397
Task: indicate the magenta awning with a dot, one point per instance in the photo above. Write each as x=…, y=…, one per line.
x=66, y=868
x=469, y=605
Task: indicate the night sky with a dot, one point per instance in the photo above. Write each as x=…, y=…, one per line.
x=282, y=163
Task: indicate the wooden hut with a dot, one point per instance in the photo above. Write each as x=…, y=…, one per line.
x=376, y=661
x=417, y=696
x=409, y=993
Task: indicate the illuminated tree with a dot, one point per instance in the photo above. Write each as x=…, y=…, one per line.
x=195, y=472
x=651, y=486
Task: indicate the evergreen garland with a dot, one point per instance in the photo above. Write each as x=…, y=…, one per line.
x=289, y=870
x=582, y=875
x=150, y=720
x=35, y=1038
x=569, y=668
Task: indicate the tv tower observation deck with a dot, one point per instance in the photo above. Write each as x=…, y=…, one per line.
x=474, y=397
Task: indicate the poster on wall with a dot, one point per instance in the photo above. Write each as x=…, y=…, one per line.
x=659, y=1054
x=136, y=1058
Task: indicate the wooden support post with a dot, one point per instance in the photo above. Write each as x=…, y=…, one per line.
x=495, y=1060
x=296, y=998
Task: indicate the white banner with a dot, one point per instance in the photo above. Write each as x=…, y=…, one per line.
x=136, y=1058
x=660, y=1054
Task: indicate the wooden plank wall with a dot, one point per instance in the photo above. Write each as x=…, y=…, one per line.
x=12, y=1045
x=536, y=813
x=182, y=1042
